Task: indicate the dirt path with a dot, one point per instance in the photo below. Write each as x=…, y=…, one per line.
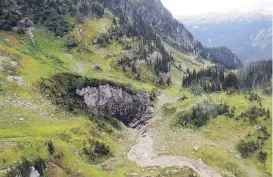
x=144, y=154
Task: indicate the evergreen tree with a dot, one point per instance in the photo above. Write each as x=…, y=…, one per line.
x=114, y=21
x=51, y=148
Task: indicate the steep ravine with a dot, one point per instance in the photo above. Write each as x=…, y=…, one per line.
x=144, y=155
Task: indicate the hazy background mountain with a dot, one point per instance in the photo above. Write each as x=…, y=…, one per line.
x=247, y=34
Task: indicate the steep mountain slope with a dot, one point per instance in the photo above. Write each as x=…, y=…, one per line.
x=79, y=91
x=41, y=113
x=223, y=56
x=248, y=35
x=146, y=18
x=153, y=14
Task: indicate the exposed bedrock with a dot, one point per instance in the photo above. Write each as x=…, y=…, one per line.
x=82, y=95
x=131, y=109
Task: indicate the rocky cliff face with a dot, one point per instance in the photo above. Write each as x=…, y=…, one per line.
x=156, y=16
x=152, y=14
x=132, y=110
x=82, y=95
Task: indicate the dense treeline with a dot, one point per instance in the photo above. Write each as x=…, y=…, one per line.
x=150, y=48
x=155, y=56
x=218, y=78
x=258, y=74
x=51, y=13
x=151, y=43
x=211, y=79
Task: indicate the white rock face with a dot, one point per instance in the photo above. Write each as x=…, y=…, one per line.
x=105, y=93
x=91, y=96
x=238, y=156
x=16, y=79
x=13, y=63
x=30, y=35
x=33, y=172
x=131, y=109
x=155, y=55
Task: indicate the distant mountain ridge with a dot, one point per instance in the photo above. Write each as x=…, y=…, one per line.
x=248, y=35
x=225, y=17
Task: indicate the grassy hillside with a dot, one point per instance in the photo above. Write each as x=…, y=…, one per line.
x=217, y=141
x=182, y=62
x=28, y=118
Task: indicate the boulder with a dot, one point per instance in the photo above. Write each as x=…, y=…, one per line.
x=238, y=156
x=25, y=23
x=17, y=79
x=196, y=148
x=212, y=144
x=147, y=175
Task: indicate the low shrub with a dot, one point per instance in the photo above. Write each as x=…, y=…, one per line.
x=96, y=150
x=64, y=136
x=113, y=121
x=71, y=42
x=253, y=112
x=254, y=97
x=255, y=141
x=247, y=148
x=262, y=156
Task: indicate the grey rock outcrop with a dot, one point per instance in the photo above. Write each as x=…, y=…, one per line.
x=131, y=109
x=152, y=14
x=33, y=172
x=25, y=23
x=155, y=15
